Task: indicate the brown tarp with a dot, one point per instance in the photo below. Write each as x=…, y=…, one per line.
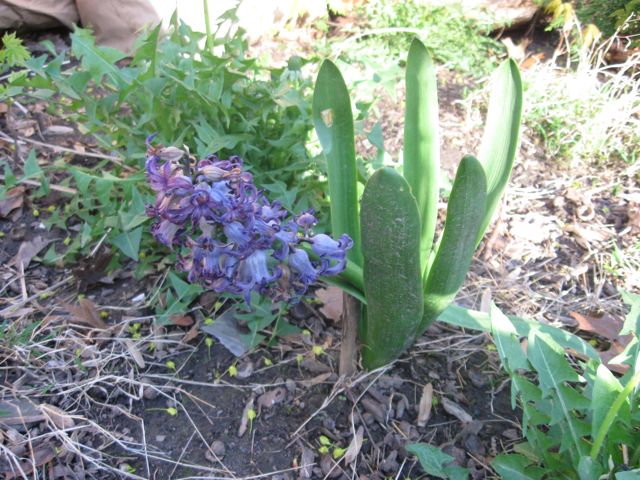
x=116, y=23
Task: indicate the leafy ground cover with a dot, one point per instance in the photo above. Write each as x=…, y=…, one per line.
x=116, y=368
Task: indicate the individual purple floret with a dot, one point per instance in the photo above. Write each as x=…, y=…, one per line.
x=229, y=237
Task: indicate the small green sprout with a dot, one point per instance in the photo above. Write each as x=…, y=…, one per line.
x=104, y=314
x=323, y=450
x=306, y=332
x=209, y=343
x=170, y=365
x=233, y=371
x=338, y=452
x=324, y=440
x=208, y=321
x=2, y=234
x=317, y=350
x=51, y=208
x=267, y=361
x=44, y=295
x=67, y=241
x=35, y=212
x=251, y=415
x=299, y=358
x=172, y=411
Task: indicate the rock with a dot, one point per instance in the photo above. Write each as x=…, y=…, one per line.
x=217, y=449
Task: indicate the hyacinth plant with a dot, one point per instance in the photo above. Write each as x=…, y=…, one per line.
x=228, y=236
x=405, y=280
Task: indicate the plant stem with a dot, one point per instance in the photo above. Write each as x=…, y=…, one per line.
x=611, y=415
x=207, y=25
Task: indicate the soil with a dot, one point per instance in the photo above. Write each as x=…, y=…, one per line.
x=131, y=414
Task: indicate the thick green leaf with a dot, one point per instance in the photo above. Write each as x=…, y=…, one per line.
x=501, y=135
x=432, y=460
x=390, y=225
x=516, y=467
x=333, y=121
x=588, y=469
x=421, y=165
x=129, y=243
x=630, y=475
x=464, y=213
x=605, y=390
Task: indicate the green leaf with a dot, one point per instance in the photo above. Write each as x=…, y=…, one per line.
x=630, y=475
x=333, y=121
x=99, y=61
x=432, y=460
x=501, y=135
x=632, y=320
x=129, y=243
x=31, y=167
x=548, y=358
x=605, y=390
x=464, y=214
x=588, y=469
x=516, y=467
x=507, y=342
x=390, y=225
x=421, y=156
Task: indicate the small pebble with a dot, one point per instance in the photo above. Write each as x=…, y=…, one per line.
x=160, y=438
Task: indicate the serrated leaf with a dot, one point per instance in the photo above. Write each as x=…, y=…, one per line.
x=571, y=399
x=99, y=61
x=432, y=459
x=501, y=135
x=632, y=320
x=333, y=121
x=129, y=242
x=507, y=341
x=548, y=358
x=390, y=226
x=516, y=467
x=421, y=157
x=458, y=242
x=31, y=167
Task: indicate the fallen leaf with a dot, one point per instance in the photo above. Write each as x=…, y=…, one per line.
x=91, y=269
x=87, y=313
x=181, y=320
x=135, y=353
x=13, y=199
x=316, y=380
x=28, y=250
x=586, y=236
x=190, y=335
x=226, y=331
x=375, y=409
x=15, y=411
x=424, y=408
x=244, y=421
x=58, y=417
x=607, y=326
x=269, y=399
x=452, y=408
x=58, y=130
x=41, y=455
x=307, y=462
x=354, y=447
x=332, y=305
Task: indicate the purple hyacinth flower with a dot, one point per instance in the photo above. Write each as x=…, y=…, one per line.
x=302, y=267
x=253, y=272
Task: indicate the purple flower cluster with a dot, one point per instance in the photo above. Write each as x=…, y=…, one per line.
x=229, y=236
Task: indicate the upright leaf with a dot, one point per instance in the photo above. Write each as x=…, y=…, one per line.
x=464, y=214
x=333, y=120
x=632, y=320
x=100, y=61
x=501, y=135
x=605, y=390
x=421, y=165
x=390, y=225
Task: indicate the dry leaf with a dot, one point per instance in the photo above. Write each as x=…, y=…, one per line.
x=244, y=421
x=58, y=417
x=426, y=402
x=315, y=380
x=58, y=130
x=452, y=408
x=307, y=462
x=586, y=236
x=354, y=447
x=28, y=250
x=331, y=298
x=87, y=313
x=181, y=320
x=607, y=326
x=135, y=353
x=13, y=199
x=42, y=454
x=14, y=411
x=269, y=399
x=191, y=334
